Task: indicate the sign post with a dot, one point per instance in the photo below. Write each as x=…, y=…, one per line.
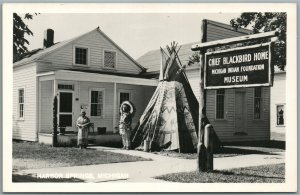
x=249, y=66
x=201, y=150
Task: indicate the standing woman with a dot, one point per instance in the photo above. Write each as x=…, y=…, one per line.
x=83, y=124
x=126, y=111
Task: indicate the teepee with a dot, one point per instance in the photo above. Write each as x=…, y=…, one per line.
x=170, y=120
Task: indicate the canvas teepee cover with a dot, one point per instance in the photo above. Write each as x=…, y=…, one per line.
x=170, y=120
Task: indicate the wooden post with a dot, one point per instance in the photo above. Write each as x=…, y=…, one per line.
x=272, y=53
x=115, y=108
x=233, y=40
x=201, y=150
x=54, y=133
x=209, y=145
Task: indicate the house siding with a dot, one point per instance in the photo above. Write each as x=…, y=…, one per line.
x=258, y=129
x=193, y=78
x=278, y=97
x=140, y=96
x=62, y=58
x=46, y=107
x=225, y=128
x=84, y=99
x=44, y=67
x=80, y=97
x=25, y=77
x=217, y=32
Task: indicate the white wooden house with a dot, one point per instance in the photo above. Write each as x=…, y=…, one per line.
x=88, y=72
x=236, y=114
x=278, y=106
x=92, y=72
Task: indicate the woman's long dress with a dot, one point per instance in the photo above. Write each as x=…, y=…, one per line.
x=82, y=139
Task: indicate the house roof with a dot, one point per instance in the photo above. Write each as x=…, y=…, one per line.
x=152, y=59
x=37, y=54
x=133, y=60
x=229, y=27
x=108, y=73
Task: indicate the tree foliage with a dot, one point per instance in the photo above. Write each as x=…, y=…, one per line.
x=264, y=22
x=261, y=22
x=20, y=29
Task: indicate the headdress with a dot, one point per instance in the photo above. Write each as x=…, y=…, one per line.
x=128, y=104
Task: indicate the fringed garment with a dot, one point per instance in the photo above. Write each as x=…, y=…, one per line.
x=83, y=131
x=125, y=129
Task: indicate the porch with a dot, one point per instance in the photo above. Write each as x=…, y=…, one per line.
x=70, y=139
x=99, y=94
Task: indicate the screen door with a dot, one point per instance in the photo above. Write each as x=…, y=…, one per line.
x=65, y=109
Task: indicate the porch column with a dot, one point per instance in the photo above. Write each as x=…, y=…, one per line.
x=38, y=107
x=115, y=106
x=54, y=87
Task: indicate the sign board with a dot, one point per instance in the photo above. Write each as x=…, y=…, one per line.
x=248, y=66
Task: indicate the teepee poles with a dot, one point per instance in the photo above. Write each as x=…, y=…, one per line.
x=162, y=65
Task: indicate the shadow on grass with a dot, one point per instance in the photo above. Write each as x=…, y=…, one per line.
x=264, y=144
x=225, y=151
x=256, y=174
x=32, y=178
x=109, y=145
x=241, y=151
x=223, y=172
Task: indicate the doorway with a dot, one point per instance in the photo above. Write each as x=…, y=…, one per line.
x=65, y=118
x=124, y=95
x=240, y=111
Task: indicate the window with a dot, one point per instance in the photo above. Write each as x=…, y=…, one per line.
x=65, y=87
x=257, y=102
x=109, y=59
x=81, y=56
x=97, y=102
x=124, y=96
x=220, y=104
x=21, y=103
x=280, y=115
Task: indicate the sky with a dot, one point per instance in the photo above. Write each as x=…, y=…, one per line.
x=136, y=33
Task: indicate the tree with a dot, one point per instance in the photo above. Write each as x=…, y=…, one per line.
x=264, y=22
x=19, y=31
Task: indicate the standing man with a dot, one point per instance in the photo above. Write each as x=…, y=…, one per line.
x=126, y=111
x=83, y=124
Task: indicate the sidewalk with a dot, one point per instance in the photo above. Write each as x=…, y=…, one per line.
x=145, y=171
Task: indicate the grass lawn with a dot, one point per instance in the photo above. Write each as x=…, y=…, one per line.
x=235, y=149
x=30, y=155
x=258, y=174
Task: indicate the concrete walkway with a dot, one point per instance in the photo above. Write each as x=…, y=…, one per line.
x=145, y=171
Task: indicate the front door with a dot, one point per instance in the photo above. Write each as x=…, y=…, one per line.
x=65, y=109
x=240, y=112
